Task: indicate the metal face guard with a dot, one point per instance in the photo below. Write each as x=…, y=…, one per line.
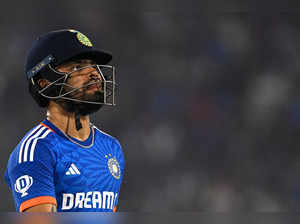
x=108, y=84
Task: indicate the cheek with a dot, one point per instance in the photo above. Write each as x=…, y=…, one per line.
x=75, y=82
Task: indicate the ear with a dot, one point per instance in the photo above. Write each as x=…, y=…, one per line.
x=43, y=83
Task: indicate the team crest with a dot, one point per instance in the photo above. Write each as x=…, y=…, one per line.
x=82, y=38
x=114, y=168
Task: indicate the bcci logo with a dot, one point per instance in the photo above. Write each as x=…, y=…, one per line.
x=114, y=168
x=82, y=38
x=22, y=184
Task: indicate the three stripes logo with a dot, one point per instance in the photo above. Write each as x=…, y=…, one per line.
x=73, y=170
x=26, y=152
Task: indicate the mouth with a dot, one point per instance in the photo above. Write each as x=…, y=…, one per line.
x=94, y=86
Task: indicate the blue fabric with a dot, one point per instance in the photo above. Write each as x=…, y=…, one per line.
x=81, y=180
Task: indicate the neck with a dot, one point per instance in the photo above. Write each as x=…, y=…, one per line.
x=65, y=122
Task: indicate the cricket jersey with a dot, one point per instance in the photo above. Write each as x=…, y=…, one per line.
x=49, y=167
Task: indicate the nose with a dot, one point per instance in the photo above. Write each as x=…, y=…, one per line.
x=94, y=73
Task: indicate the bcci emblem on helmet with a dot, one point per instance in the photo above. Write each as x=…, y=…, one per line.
x=22, y=184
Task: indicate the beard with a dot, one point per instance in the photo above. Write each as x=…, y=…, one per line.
x=82, y=108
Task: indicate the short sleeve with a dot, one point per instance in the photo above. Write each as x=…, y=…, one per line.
x=120, y=157
x=32, y=182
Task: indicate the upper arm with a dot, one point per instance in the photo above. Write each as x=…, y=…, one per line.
x=32, y=182
x=42, y=208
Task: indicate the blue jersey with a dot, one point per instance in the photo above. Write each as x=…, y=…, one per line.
x=48, y=167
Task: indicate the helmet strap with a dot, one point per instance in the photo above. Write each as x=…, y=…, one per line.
x=77, y=120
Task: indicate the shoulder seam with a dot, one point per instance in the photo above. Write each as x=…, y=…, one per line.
x=47, y=127
x=103, y=132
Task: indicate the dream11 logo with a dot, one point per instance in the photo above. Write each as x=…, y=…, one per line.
x=22, y=184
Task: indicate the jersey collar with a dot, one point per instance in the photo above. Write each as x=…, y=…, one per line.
x=56, y=130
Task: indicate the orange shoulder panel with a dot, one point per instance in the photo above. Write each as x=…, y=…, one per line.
x=47, y=127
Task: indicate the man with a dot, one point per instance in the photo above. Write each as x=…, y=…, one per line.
x=65, y=163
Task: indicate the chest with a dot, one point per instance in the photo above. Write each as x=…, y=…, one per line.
x=84, y=170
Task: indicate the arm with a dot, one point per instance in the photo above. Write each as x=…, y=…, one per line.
x=42, y=208
x=32, y=182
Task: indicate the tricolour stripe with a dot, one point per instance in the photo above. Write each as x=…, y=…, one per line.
x=28, y=143
x=75, y=168
x=34, y=144
x=47, y=127
x=28, y=136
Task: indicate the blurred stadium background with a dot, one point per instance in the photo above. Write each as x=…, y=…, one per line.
x=208, y=107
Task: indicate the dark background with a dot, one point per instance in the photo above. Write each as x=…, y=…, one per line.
x=208, y=109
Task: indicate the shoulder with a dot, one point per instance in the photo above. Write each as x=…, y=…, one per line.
x=107, y=140
x=34, y=153
x=111, y=145
x=105, y=136
x=39, y=141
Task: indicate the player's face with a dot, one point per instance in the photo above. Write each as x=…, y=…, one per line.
x=84, y=83
x=84, y=75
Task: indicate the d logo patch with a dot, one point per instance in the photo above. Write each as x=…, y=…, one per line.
x=22, y=184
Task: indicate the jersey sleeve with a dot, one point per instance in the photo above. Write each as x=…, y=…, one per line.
x=120, y=157
x=32, y=182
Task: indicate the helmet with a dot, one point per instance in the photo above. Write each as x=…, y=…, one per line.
x=56, y=48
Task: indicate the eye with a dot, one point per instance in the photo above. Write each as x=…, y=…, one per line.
x=76, y=68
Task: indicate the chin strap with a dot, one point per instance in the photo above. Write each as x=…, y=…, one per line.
x=77, y=121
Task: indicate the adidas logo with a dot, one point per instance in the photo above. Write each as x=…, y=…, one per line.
x=73, y=170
